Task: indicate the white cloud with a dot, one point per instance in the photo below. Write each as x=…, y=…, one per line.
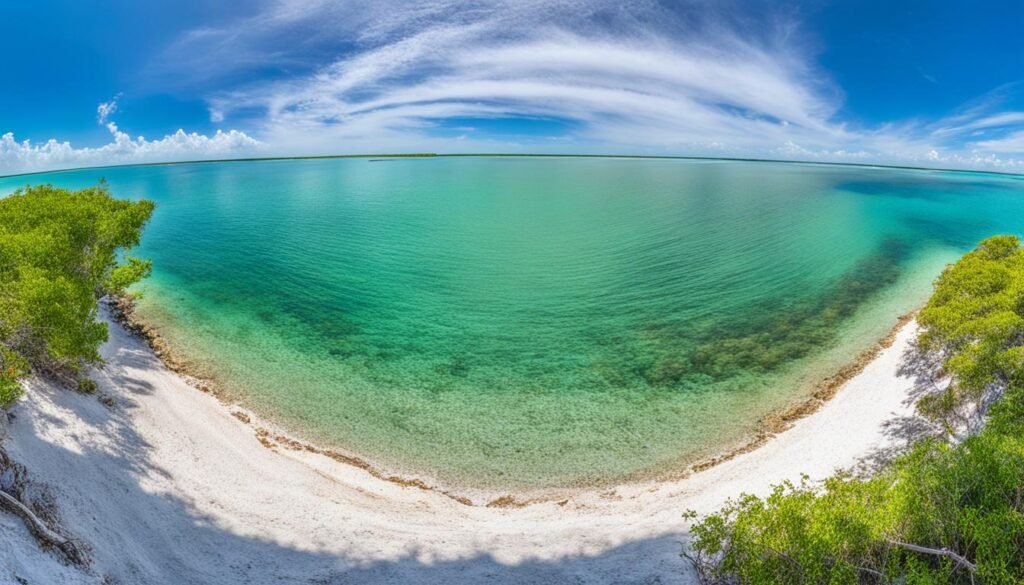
x=1011, y=143
x=980, y=122
x=24, y=156
x=612, y=76
x=622, y=76
x=106, y=109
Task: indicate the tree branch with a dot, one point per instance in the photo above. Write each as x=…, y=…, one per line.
x=41, y=531
x=940, y=552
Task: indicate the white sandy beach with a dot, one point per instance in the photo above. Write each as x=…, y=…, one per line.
x=168, y=487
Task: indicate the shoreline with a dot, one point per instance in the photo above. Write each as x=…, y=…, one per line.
x=823, y=391
x=273, y=436
x=172, y=487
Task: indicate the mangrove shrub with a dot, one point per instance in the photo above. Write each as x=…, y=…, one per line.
x=948, y=511
x=60, y=252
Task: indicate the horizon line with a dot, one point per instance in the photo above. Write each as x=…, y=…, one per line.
x=511, y=155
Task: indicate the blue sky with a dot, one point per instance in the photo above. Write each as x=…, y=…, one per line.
x=937, y=83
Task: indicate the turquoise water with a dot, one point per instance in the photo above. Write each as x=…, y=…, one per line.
x=525, y=322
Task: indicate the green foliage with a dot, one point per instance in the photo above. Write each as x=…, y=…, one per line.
x=966, y=499
x=86, y=386
x=12, y=368
x=976, y=316
x=127, y=274
x=59, y=253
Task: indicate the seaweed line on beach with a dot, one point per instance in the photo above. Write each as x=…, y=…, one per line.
x=782, y=420
x=122, y=310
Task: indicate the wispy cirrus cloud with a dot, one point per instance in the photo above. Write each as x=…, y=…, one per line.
x=694, y=78
x=106, y=109
x=611, y=68
x=620, y=76
x=1010, y=143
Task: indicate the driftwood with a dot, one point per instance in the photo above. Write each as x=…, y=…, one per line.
x=939, y=552
x=41, y=531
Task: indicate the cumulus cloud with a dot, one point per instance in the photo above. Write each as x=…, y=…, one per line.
x=25, y=156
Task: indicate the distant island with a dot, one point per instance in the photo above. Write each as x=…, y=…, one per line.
x=525, y=155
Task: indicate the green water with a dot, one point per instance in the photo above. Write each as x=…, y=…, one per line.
x=523, y=322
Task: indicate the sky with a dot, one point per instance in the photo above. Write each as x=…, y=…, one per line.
x=936, y=83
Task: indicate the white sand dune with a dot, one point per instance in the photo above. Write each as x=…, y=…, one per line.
x=169, y=488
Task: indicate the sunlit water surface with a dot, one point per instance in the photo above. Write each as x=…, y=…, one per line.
x=524, y=322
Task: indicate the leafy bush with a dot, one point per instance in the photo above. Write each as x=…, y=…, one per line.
x=12, y=368
x=60, y=251
x=87, y=386
x=942, y=513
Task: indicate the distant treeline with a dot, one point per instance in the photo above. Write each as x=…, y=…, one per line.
x=519, y=155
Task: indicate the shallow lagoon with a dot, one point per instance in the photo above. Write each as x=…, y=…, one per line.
x=532, y=322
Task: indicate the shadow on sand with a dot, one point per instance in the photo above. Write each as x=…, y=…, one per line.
x=140, y=536
x=903, y=431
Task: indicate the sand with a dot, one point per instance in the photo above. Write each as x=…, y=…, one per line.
x=167, y=486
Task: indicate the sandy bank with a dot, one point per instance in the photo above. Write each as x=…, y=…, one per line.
x=169, y=487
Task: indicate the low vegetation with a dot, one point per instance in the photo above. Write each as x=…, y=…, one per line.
x=60, y=252
x=951, y=510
